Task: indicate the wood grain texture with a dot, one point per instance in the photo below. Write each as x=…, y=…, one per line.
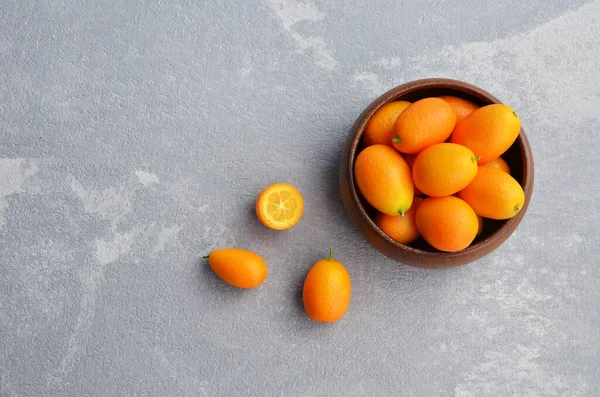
x=420, y=254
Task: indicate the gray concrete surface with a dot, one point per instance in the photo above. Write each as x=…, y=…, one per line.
x=136, y=135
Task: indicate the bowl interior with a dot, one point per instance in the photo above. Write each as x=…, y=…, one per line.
x=515, y=156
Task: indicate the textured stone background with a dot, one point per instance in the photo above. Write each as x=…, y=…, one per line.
x=136, y=135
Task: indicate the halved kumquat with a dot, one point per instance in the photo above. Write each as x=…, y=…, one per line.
x=279, y=206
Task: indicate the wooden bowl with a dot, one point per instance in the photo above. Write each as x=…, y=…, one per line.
x=419, y=253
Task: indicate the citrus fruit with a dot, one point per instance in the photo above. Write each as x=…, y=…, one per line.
x=494, y=194
x=447, y=223
x=380, y=128
x=461, y=107
x=479, y=225
x=424, y=123
x=383, y=178
x=279, y=206
x=401, y=228
x=238, y=267
x=443, y=169
x=327, y=289
x=500, y=164
x=410, y=160
x=489, y=131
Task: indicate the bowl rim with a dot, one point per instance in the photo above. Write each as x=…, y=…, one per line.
x=496, y=237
